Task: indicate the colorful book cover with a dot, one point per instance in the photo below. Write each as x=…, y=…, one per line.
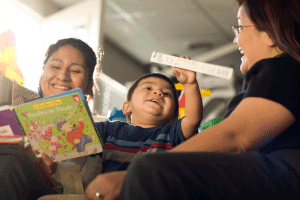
x=60, y=125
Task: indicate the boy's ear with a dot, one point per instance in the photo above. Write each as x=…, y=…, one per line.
x=126, y=108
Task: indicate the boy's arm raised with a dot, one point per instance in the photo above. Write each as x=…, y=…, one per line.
x=193, y=101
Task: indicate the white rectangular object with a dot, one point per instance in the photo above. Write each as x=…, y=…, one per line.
x=205, y=68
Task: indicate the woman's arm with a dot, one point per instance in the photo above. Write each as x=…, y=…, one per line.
x=252, y=124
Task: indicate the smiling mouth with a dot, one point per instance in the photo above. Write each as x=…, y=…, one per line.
x=241, y=51
x=155, y=101
x=61, y=87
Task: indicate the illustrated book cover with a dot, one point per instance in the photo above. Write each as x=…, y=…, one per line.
x=60, y=125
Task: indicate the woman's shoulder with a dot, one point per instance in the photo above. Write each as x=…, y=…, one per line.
x=283, y=66
x=282, y=61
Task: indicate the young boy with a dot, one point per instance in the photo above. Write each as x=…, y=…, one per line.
x=151, y=108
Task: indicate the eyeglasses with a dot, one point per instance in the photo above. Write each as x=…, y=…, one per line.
x=236, y=29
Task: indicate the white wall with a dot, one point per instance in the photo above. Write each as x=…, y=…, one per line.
x=25, y=24
x=62, y=24
x=43, y=7
x=34, y=33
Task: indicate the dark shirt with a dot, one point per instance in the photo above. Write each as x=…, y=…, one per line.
x=276, y=79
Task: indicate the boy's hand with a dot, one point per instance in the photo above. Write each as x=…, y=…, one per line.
x=184, y=76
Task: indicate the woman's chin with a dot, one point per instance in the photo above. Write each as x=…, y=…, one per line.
x=244, y=66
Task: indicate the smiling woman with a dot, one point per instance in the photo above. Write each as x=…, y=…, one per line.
x=64, y=71
x=69, y=64
x=253, y=43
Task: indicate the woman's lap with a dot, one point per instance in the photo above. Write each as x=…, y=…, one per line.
x=20, y=179
x=213, y=176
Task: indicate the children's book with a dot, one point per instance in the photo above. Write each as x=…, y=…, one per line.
x=9, y=124
x=60, y=125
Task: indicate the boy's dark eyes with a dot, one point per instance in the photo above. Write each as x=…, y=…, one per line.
x=165, y=93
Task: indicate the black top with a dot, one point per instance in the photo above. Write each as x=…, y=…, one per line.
x=277, y=79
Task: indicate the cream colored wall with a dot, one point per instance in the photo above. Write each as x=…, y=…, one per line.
x=42, y=7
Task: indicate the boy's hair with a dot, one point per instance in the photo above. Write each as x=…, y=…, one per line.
x=135, y=84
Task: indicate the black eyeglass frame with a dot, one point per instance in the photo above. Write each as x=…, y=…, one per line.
x=237, y=29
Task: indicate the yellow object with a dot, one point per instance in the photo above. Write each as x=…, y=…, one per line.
x=9, y=67
x=181, y=113
x=205, y=93
x=179, y=86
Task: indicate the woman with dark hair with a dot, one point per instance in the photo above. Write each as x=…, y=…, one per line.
x=68, y=64
x=255, y=151
x=65, y=48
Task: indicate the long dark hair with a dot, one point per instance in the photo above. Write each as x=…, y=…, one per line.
x=89, y=55
x=279, y=19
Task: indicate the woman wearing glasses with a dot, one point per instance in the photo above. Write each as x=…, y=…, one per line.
x=255, y=151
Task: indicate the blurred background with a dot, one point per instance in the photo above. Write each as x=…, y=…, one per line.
x=129, y=31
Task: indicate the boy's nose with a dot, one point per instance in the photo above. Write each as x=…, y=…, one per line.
x=158, y=92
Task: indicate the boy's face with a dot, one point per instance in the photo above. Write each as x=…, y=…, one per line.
x=152, y=97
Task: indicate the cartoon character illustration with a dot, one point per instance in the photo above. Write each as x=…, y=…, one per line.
x=53, y=139
x=75, y=134
x=33, y=129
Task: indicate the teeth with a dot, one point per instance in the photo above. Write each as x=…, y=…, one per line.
x=154, y=101
x=61, y=87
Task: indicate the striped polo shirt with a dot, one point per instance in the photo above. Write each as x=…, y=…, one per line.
x=122, y=141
